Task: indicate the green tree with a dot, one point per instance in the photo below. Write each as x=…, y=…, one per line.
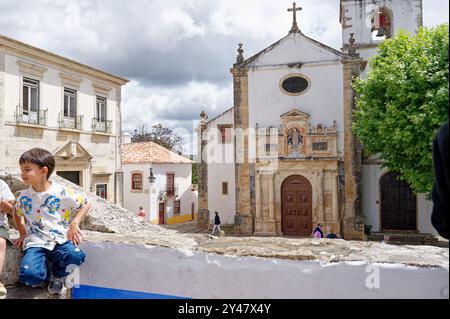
x=403, y=101
x=162, y=136
x=195, y=167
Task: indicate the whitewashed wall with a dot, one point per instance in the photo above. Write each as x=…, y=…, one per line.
x=221, y=169
x=149, y=201
x=406, y=15
x=166, y=273
x=323, y=100
x=15, y=140
x=371, y=175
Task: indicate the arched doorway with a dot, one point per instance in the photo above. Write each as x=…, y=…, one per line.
x=398, y=204
x=296, y=206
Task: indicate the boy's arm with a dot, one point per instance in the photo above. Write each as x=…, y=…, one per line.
x=74, y=232
x=6, y=206
x=18, y=221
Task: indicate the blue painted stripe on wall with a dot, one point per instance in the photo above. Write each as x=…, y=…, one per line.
x=92, y=292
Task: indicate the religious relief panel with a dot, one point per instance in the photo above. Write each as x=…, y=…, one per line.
x=295, y=142
x=301, y=140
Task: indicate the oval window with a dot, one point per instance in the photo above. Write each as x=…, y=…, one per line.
x=295, y=84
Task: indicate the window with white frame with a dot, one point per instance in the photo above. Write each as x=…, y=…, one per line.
x=30, y=96
x=70, y=103
x=101, y=109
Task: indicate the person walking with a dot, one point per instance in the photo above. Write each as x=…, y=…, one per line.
x=216, y=224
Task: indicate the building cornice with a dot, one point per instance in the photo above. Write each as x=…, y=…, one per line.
x=28, y=50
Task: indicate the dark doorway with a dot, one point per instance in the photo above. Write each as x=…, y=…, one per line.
x=162, y=210
x=296, y=206
x=398, y=204
x=72, y=176
x=101, y=190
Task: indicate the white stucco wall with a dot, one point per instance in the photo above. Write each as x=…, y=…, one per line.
x=323, y=100
x=406, y=14
x=149, y=200
x=15, y=139
x=221, y=169
x=193, y=274
x=371, y=175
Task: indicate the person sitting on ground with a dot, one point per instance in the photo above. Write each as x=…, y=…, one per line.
x=332, y=235
x=317, y=233
x=47, y=216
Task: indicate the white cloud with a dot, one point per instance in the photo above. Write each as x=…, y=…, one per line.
x=177, y=53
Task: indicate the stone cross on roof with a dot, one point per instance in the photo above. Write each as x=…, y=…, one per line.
x=294, y=10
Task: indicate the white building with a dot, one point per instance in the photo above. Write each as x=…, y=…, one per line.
x=299, y=89
x=170, y=198
x=71, y=109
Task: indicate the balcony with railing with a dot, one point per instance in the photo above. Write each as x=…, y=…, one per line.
x=101, y=126
x=171, y=190
x=70, y=123
x=25, y=116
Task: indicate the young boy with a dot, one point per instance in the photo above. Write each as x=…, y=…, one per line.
x=6, y=207
x=52, y=215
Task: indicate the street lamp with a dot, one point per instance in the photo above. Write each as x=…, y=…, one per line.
x=151, y=177
x=151, y=180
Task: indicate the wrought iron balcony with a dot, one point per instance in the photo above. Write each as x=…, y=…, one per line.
x=68, y=122
x=25, y=116
x=171, y=190
x=102, y=126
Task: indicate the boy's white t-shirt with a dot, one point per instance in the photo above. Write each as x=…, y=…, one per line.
x=6, y=195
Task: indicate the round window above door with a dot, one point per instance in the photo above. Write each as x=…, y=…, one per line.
x=294, y=84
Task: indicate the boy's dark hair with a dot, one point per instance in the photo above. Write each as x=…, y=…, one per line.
x=40, y=157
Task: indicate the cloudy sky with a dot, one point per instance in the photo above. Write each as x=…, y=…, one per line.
x=176, y=53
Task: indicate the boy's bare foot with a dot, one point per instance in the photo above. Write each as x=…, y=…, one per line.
x=2, y=291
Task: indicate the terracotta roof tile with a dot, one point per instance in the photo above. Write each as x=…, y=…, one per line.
x=150, y=152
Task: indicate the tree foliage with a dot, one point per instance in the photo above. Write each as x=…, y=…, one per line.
x=403, y=101
x=162, y=136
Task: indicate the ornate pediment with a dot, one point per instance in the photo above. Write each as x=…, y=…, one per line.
x=295, y=113
x=72, y=150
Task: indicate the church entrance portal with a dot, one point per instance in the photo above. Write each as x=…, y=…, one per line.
x=296, y=206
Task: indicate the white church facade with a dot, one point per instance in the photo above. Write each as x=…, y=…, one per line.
x=284, y=157
x=66, y=107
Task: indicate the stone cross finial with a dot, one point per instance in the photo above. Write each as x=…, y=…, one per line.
x=352, y=46
x=240, y=56
x=294, y=10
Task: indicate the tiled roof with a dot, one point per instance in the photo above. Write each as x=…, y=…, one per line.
x=150, y=153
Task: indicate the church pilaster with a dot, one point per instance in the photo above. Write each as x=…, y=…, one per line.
x=244, y=171
x=203, y=211
x=352, y=220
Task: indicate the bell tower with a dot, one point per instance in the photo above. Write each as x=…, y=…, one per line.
x=373, y=21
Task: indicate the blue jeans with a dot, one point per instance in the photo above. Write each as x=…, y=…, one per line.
x=35, y=262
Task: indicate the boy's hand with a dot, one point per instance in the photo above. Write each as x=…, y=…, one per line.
x=74, y=234
x=18, y=243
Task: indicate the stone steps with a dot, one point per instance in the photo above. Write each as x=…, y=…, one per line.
x=404, y=238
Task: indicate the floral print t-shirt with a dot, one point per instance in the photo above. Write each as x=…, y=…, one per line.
x=48, y=214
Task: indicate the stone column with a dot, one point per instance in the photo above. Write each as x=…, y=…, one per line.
x=271, y=199
x=353, y=224
x=320, y=184
x=335, y=206
x=243, y=170
x=258, y=219
x=203, y=211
